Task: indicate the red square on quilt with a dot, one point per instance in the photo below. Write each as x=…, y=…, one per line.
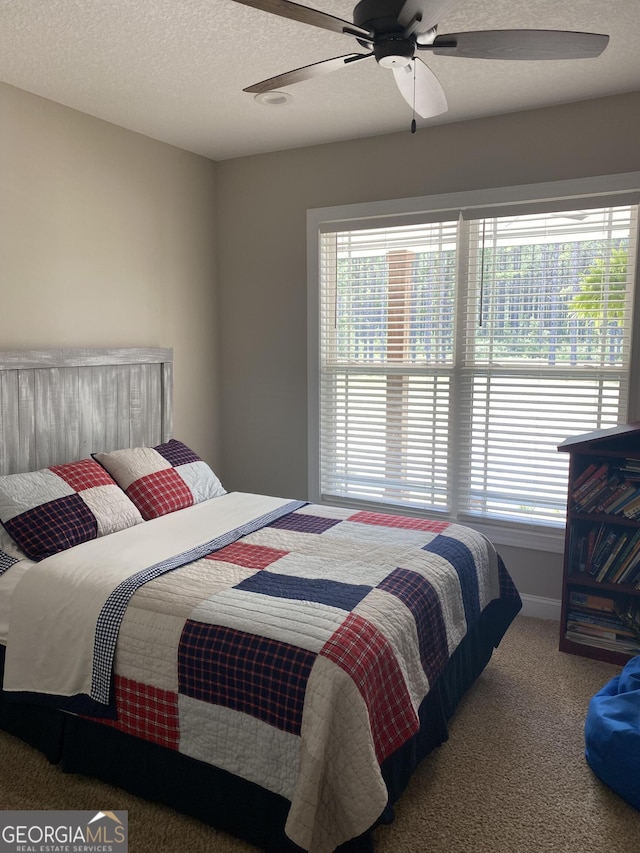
x=82, y=475
x=400, y=521
x=365, y=654
x=146, y=712
x=248, y=556
x=160, y=493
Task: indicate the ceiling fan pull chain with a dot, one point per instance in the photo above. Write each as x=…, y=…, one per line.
x=413, y=120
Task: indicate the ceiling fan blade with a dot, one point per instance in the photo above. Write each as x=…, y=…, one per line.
x=519, y=44
x=429, y=95
x=431, y=13
x=306, y=73
x=305, y=15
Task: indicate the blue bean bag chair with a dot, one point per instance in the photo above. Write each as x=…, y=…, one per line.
x=612, y=733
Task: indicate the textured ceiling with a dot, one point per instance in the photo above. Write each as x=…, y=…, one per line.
x=175, y=69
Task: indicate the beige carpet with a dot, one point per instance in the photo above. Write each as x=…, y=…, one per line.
x=511, y=779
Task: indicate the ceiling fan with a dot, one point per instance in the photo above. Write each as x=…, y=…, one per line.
x=393, y=31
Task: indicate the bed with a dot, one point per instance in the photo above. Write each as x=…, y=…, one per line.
x=227, y=654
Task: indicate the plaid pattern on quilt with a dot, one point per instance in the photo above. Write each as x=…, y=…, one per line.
x=146, y=712
x=306, y=645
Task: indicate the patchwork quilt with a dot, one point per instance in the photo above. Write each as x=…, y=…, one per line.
x=295, y=652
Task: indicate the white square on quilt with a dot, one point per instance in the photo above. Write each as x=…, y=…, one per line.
x=228, y=738
x=326, y=511
x=22, y=492
x=204, y=484
x=370, y=534
x=128, y=465
x=311, y=566
x=112, y=508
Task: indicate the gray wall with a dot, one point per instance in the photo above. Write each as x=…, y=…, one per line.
x=262, y=204
x=107, y=238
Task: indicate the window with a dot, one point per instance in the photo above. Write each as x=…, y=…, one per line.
x=454, y=350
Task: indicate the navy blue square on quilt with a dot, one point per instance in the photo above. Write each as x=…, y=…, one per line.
x=53, y=526
x=302, y=522
x=344, y=596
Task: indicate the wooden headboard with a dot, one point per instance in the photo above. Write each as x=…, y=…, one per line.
x=62, y=405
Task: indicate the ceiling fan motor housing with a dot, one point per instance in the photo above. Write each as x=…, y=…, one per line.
x=391, y=47
x=380, y=16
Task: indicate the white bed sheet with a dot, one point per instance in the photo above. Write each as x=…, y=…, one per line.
x=8, y=582
x=9, y=579
x=66, y=592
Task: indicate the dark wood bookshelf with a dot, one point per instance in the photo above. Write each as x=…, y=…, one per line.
x=612, y=447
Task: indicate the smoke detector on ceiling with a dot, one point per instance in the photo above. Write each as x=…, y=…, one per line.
x=273, y=99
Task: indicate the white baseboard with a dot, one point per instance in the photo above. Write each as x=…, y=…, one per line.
x=540, y=608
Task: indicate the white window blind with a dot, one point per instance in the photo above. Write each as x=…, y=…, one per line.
x=454, y=356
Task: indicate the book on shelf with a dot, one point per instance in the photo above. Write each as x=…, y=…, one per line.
x=603, y=620
x=631, y=466
x=606, y=539
x=588, y=477
x=593, y=616
x=581, y=550
x=586, y=473
x=581, y=478
x=626, y=493
x=599, y=625
x=590, y=487
x=607, y=553
x=601, y=492
x=611, y=495
x=629, y=647
x=627, y=559
x=592, y=535
x=632, y=573
x=592, y=601
x=607, y=489
x=608, y=566
x=601, y=632
x=629, y=571
x=632, y=508
x=605, y=632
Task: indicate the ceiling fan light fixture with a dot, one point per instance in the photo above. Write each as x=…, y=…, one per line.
x=273, y=99
x=394, y=61
x=394, y=52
